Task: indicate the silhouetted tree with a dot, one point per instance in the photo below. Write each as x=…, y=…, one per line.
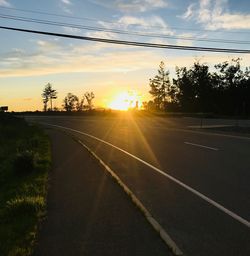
x=70, y=102
x=80, y=104
x=195, y=88
x=186, y=90
x=45, y=102
x=203, y=87
x=225, y=91
x=48, y=95
x=145, y=105
x=231, y=83
x=162, y=90
x=89, y=97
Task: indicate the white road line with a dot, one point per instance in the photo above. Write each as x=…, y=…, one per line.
x=200, y=146
x=197, y=193
x=153, y=222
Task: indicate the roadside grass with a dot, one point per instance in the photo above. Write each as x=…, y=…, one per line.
x=24, y=163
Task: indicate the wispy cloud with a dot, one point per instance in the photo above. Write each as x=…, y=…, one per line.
x=50, y=58
x=183, y=41
x=4, y=3
x=72, y=30
x=189, y=12
x=133, y=5
x=129, y=27
x=65, y=4
x=214, y=14
x=147, y=25
x=68, y=2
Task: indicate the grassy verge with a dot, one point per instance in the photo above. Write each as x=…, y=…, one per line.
x=25, y=161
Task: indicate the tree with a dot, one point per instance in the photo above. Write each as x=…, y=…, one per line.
x=80, y=104
x=201, y=78
x=195, y=88
x=45, y=101
x=89, y=97
x=186, y=91
x=48, y=95
x=161, y=89
x=231, y=82
x=70, y=102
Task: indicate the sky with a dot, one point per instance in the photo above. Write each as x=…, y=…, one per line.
x=30, y=61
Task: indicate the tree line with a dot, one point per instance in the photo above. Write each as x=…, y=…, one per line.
x=226, y=90
x=70, y=102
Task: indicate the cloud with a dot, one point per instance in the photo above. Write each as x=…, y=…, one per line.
x=183, y=41
x=189, y=12
x=45, y=46
x=130, y=27
x=102, y=34
x=53, y=58
x=139, y=25
x=148, y=22
x=71, y=30
x=91, y=57
x=214, y=14
x=4, y=3
x=67, y=2
x=133, y=5
x=64, y=5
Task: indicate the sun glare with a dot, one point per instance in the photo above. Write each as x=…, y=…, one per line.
x=125, y=101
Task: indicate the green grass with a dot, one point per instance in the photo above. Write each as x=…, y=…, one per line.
x=25, y=160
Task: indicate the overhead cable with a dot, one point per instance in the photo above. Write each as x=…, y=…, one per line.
x=119, y=31
x=120, y=23
x=131, y=43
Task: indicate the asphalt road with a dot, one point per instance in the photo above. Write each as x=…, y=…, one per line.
x=216, y=166
x=87, y=211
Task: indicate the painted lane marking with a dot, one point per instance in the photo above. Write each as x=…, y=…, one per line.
x=153, y=222
x=180, y=183
x=200, y=146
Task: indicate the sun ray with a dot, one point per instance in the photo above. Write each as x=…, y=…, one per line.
x=125, y=101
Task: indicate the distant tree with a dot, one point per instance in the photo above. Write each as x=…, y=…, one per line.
x=80, y=104
x=145, y=105
x=45, y=102
x=48, y=95
x=70, y=102
x=162, y=90
x=89, y=97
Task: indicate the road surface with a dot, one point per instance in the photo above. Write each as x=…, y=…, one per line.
x=196, y=184
x=87, y=210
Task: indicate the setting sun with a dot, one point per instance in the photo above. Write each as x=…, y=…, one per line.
x=125, y=101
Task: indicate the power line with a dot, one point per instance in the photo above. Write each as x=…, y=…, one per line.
x=118, y=31
x=131, y=43
x=111, y=22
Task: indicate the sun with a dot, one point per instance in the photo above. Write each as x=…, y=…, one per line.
x=125, y=101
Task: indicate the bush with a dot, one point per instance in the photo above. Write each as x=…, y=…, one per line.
x=25, y=205
x=24, y=162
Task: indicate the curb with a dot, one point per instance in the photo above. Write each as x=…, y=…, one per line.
x=152, y=221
